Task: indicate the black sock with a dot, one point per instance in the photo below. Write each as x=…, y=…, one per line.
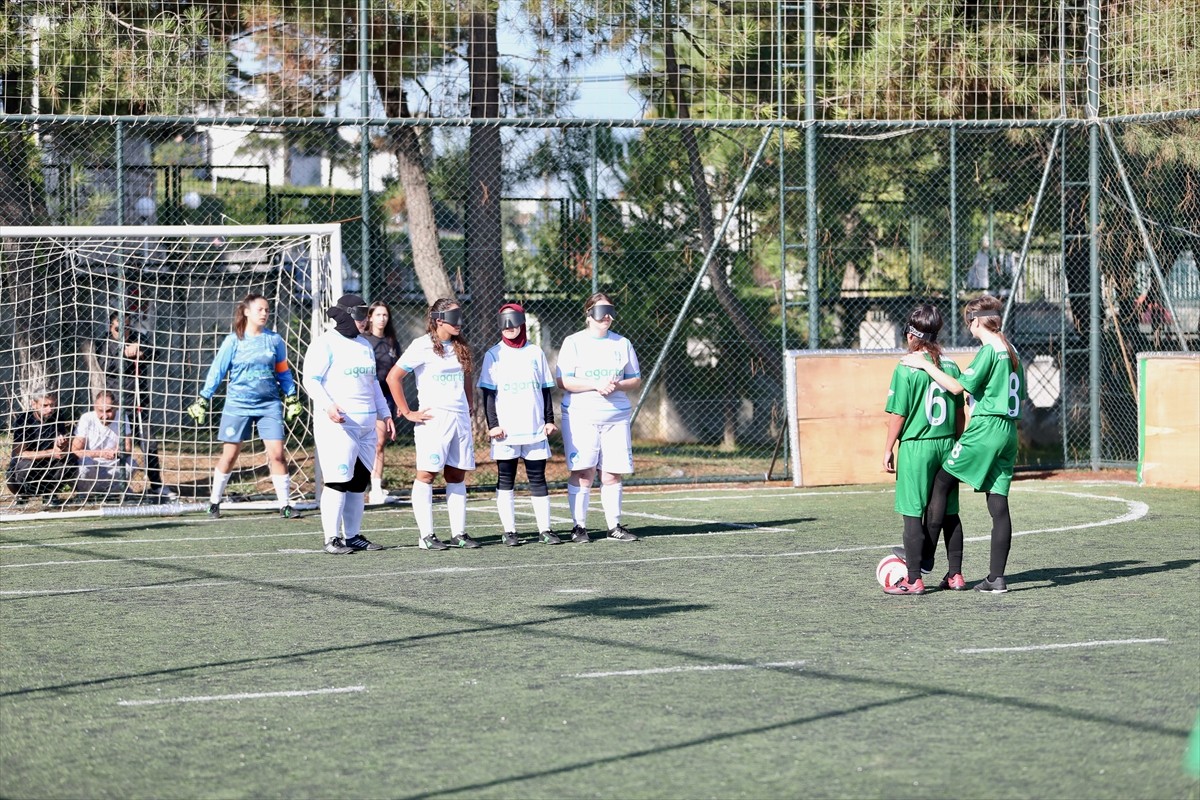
x=953, y=531
x=1001, y=534
x=914, y=541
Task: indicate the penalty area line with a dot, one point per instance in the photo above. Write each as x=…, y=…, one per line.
x=625, y=673
x=1033, y=647
x=217, y=698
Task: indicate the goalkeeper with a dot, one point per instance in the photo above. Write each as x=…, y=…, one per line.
x=255, y=359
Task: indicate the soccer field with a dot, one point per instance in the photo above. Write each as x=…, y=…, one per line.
x=742, y=649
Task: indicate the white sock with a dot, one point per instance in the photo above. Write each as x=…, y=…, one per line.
x=541, y=510
x=352, y=513
x=610, y=497
x=422, y=504
x=456, y=504
x=219, y=482
x=332, y=503
x=283, y=489
x=376, y=485
x=572, y=494
x=506, y=507
x=579, y=507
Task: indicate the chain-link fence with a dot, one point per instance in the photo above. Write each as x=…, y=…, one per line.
x=731, y=221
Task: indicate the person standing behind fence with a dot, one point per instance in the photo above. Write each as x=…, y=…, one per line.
x=121, y=356
x=255, y=359
x=595, y=369
x=102, y=444
x=441, y=362
x=925, y=419
x=41, y=463
x=339, y=376
x=985, y=454
x=382, y=337
x=515, y=382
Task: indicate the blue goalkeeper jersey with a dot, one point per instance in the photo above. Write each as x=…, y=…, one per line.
x=258, y=369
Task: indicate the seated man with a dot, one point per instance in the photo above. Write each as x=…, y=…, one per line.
x=41, y=464
x=102, y=444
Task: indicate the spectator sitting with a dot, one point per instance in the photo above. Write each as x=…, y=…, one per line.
x=41, y=463
x=102, y=444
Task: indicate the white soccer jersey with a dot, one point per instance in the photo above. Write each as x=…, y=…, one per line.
x=341, y=371
x=518, y=375
x=589, y=358
x=440, y=380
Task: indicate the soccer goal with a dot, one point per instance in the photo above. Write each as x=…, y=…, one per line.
x=139, y=311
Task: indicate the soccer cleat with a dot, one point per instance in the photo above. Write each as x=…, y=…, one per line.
x=579, y=535
x=432, y=542
x=463, y=540
x=994, y=586
x=549, y=537
x=287, y=512
x=904, y=587
x=620, y=534
x=338, y=547
x=510, y=539
x=955, y=582
x=214, y=510
x=360, y=542
x=926, y=566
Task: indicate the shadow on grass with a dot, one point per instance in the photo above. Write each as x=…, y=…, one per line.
x=623, y=608
x=1106, y=570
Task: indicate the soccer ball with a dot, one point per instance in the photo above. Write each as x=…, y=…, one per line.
x=890, y=571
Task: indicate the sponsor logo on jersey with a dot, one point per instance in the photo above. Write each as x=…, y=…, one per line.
x=603, y=373
x=355, y=372
x=447, y=377
x=518, y=386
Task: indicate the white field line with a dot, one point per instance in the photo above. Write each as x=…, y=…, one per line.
x=626, y=673
x=1032, y=647
x=216, y=698
x=1136, y=510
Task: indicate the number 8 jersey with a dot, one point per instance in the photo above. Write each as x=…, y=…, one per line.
x=998, y=389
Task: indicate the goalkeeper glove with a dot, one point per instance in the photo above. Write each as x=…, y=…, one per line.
x=292, y=408
x=198, y=410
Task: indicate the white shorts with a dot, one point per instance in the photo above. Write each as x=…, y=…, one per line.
x=534, y=451
x=339, y=446
x=607, y=446
x=444, y=441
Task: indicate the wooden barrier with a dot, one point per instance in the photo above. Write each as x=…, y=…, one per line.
x=835, y=413
x=1169, y=419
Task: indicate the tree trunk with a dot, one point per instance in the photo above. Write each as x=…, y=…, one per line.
x=484, y=247
x=767, y=355
x=422, y=224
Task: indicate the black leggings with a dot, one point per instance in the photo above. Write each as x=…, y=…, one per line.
x=535, y=471
x=935, y=518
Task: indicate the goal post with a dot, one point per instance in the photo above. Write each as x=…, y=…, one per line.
x=171, y=291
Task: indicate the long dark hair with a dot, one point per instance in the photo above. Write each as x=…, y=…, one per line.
x=924, y=323
x=389, y=332
x=462, y=350
x=239, y=313
x=992, y=323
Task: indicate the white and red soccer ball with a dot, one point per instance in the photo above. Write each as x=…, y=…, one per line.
x=890, y=571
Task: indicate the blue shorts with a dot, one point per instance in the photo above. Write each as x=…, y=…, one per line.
x=235, y=428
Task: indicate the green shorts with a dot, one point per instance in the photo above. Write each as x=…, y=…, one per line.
x=985, y=454
x=916, y=463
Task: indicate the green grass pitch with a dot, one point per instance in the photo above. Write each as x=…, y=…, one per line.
x=742, y=649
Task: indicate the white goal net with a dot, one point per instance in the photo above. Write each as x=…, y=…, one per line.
x=139, y=312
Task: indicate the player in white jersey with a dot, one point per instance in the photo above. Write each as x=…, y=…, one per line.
x=595, y=369
x=515, y=382
x=441, y=362
x=339, y=376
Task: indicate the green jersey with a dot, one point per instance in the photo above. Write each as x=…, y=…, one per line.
x=929, y=411
x=998, y=389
